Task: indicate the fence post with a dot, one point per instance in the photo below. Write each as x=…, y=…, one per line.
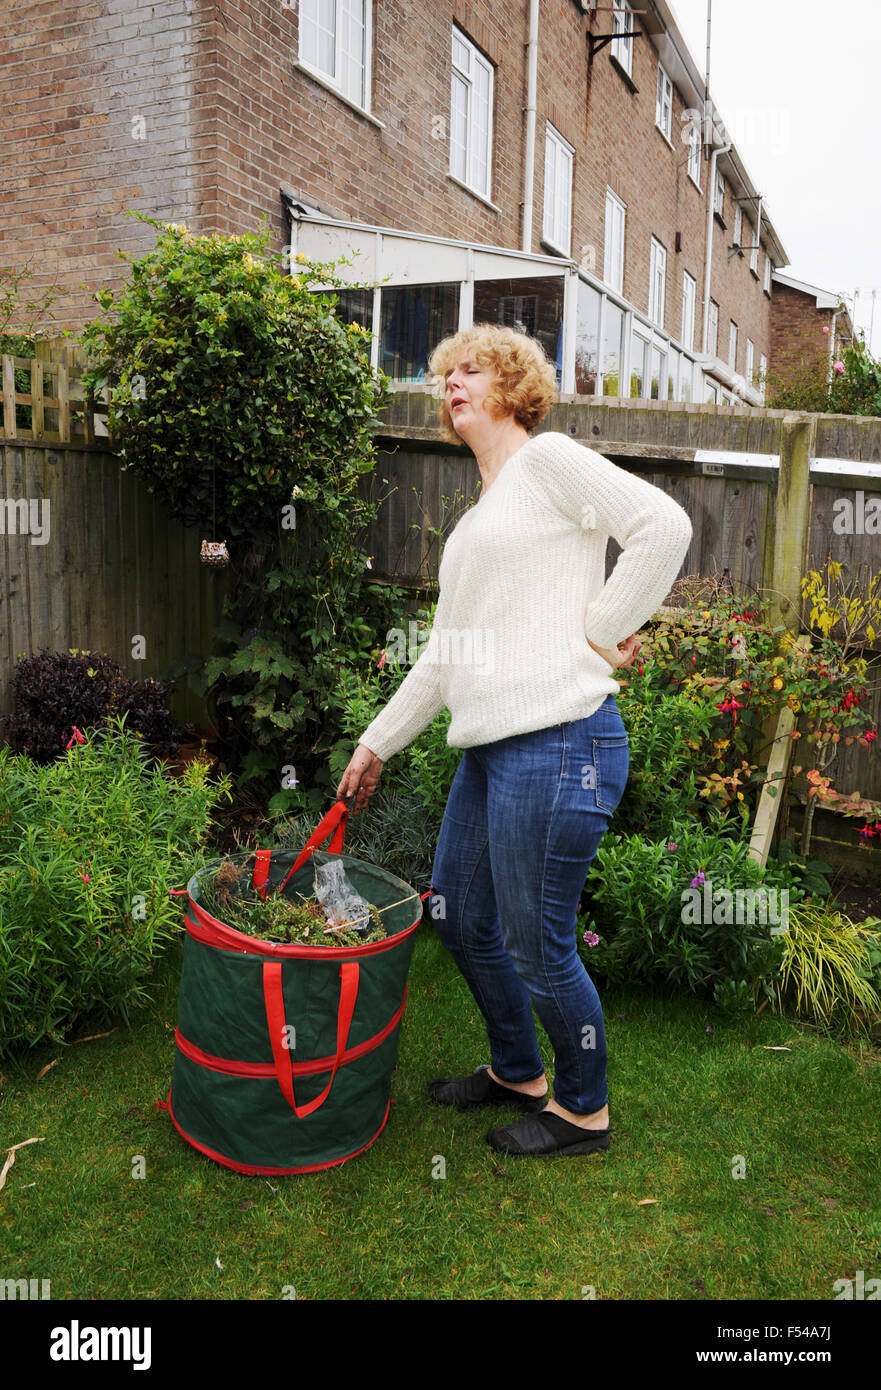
x=791, y=539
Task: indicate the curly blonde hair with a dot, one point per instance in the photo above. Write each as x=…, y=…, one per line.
x=525, y=383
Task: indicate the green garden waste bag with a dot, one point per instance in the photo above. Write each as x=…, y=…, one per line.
x=285, y=1053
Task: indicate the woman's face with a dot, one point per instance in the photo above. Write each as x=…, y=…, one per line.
x=467, y=386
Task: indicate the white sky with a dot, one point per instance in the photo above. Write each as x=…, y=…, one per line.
x=797, y=85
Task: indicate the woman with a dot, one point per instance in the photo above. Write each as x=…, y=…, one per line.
x=525, y=638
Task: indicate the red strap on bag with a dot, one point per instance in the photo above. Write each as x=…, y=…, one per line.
x=335, y=821
x=261, y=871
x=274, y=999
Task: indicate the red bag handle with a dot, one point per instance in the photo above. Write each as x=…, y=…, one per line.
x=335, y=821
x=274, y=999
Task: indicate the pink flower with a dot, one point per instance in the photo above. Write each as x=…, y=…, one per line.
x=672, y=845
x=381, y=662
x=698, y=879
x=825, y=328
x=75, y=735
x=591, y=938
x=370, y=563
x=839, y=368
x=84, y=877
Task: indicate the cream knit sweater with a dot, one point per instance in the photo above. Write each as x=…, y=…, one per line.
x=521, y=587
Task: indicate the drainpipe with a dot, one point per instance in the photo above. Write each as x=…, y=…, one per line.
x=529, y=152
x=832, y=342
x=720, y=149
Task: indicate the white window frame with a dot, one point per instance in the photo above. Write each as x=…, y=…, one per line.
x=732, y=345
x=613, y=271
x=767, y=273
x=622, y=49
x=689, y=300
x=754, y=242
x=350, y=75
x=657, y=281
x=664, y=105
x=750, y=361
x=763, y=371
x=719, y=193
x=713, y=328
x=738, y=224
x=474, y=147
x=695, y=148
x=559, y=160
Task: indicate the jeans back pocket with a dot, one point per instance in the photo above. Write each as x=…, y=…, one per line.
x=611, y=760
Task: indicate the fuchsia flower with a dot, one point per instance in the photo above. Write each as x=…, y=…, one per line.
x=698, y=879
x=825, y=328
x=591, y=938
x=672, y=845
x=730, y=706
x=381, y=662
x=839, y=368
x=75, y=735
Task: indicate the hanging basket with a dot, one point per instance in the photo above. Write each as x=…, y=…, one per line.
x=285, y=1053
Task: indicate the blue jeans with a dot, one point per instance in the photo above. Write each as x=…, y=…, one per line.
x=523, y=822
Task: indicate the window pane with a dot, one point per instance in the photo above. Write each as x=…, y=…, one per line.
x=351, y=306
x=458, y=127
x=318, y=34
x=657, y=367
x=353, y=39
x=531, y=304
x=461, y=54
x=480, y=134
x=672, y=369
x=414, y=318
x=550, y=185
x=613, y=332
x=685, y=372
x=637, y=366
x=587, y=339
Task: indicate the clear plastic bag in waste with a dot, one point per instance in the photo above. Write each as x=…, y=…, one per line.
x=340, y=899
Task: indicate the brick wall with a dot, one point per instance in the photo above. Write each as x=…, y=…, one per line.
x=798, y=344
x=226, y=117
x=98, y=117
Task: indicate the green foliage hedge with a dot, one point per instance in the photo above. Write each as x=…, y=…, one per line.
x=90, y=846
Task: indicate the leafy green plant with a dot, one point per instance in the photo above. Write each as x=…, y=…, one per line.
x=246, y=405
x=828, y=967
x=853, y=387
x=56, y=694
x=654, y=919
x=90, y=846
x=725, y=657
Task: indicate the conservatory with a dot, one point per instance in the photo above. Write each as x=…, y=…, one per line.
x=409, y=290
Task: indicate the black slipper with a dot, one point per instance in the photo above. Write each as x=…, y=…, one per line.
x=480, y=1089
x=547, y=1133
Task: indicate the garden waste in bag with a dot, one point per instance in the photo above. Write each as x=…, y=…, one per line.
x=285, y=1052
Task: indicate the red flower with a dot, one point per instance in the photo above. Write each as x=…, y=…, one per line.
x=730, y=705
x=75, y=735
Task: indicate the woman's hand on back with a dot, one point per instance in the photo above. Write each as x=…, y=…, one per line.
x=623, y=655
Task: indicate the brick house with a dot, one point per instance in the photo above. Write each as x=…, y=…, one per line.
x=550, y=164
x=810, y=329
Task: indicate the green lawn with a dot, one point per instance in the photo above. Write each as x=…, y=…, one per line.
x=683, y=1104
